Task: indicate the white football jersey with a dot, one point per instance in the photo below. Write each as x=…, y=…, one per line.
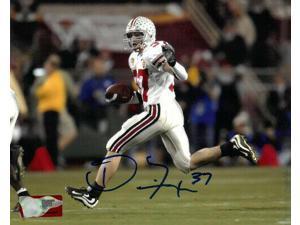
x=154, y=84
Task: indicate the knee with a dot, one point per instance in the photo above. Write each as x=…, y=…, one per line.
x=183, y=164
x=184, y=168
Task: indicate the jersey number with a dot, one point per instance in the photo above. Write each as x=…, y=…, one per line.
x=141, y=79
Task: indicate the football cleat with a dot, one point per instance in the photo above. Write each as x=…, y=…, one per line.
x=82, y=195
x=243, y=149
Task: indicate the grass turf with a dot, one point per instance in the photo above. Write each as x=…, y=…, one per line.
x=240, y=195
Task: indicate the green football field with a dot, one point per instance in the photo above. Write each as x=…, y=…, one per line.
x=240, y=195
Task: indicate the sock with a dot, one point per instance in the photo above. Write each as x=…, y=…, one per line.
x=95, y=190
x=226, y=149
x=22, y=192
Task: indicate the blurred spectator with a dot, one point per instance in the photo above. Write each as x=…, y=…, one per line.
x=232, y=45
x=24, y=19
x=242, y=125
x=279, y=104
x=194, y=76
x=50, y=92
x=44, y=43
x=206, y=91
x=185, y=97
x=229, y=102
x=271, y=137
x=264, y=52
x=218, y=11
x=78, y=55
x=85, y=52
x=202, y=117
x=271, y=146
x=24, y=10
x=201, y=65
x=262, y=19
x=71, y=88
x=67, y=127
x=92, y=96
x=243, y=23
x=107, y=60
x=285, y=54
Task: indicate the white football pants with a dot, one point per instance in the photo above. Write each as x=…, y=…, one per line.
x=164, y=119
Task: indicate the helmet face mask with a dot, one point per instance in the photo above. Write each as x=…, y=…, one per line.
x=140, y=32
x=135, y=40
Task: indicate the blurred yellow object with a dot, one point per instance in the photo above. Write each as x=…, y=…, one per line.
x=51, y=94
x=194, y=76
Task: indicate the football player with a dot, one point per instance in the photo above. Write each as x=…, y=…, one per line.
x=16, y=152
x=31, y=207
x=154, y=67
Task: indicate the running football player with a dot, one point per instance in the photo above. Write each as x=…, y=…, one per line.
x=154, y=67
x=16, y=152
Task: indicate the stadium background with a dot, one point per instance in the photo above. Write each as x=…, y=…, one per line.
x=237, y=54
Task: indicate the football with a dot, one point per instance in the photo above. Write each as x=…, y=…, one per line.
x=118, y=93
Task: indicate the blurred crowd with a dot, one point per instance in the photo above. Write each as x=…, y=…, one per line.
x=242, y=85
x=253, y=31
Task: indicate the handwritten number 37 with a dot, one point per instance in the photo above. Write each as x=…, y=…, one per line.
x=197, y=177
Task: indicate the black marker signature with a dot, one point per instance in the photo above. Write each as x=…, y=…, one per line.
x=104, y=161
x=196, y=176
x=162, y=183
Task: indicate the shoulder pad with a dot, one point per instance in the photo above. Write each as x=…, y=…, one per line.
x=154, y=54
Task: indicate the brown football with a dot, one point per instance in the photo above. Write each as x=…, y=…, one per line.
x=118, y=93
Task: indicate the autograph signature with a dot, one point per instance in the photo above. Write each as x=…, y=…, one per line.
x=196, y=177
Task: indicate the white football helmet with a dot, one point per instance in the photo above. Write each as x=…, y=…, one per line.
x=140, y=32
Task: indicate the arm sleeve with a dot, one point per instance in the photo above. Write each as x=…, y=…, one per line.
x=180, y=72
